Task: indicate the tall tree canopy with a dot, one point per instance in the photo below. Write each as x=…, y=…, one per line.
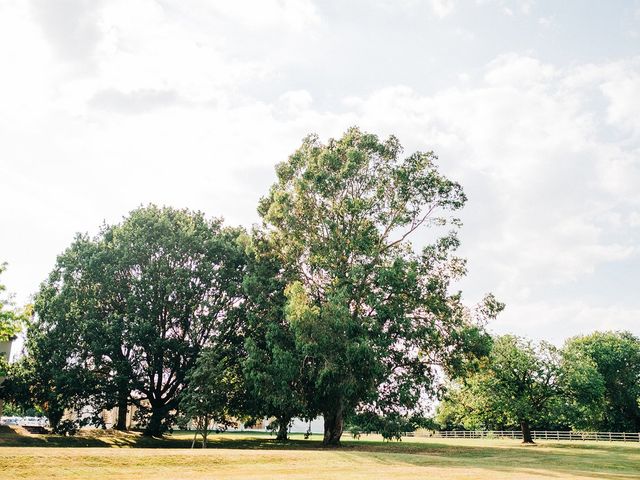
x=616, y=356
x=372, y=317
x=141, y=300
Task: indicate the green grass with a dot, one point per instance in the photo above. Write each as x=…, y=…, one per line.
x=258, y=456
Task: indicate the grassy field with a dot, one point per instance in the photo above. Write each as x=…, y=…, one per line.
x=241, y=456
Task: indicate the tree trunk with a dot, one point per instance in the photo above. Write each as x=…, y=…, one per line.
x=333, y=426
x=205, y=432
x=154, y=427
x=283, y=428
x=54, y=415
x=195, y=436
x=526, y=432
x=122, y=411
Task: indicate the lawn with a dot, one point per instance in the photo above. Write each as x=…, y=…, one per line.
x=241, y=456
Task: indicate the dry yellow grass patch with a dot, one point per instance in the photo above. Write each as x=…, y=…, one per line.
x=241, y=457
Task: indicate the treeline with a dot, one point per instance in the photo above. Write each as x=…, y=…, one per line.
x=323, y=309
x=592, y=383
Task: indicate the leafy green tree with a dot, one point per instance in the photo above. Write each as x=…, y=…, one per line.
x=86, y=291
x=145, y=297
x=616, y=357
x=214, y=391
x=523, y=384
x=517, y=386
x=372, y=318
x=583, y=392
x=272, y=364
x=15, y=410
x=52, y=376
x=11, y=319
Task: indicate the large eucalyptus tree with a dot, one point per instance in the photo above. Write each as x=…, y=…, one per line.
x=373, y=317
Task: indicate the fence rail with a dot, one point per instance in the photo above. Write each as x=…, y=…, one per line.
x=542, y=435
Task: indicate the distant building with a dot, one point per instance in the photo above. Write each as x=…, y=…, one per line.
x=315, y=426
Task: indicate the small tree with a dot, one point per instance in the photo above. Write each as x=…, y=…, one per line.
x=273, y=364
x=51, y=377
x=12, y=321
x=390, y=427
x=214, y=389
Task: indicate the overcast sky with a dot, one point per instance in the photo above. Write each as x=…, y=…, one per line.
x=534, y=106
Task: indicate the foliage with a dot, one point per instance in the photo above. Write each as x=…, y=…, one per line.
x=11, y=319
x=372, y=318
x=583, y=392
x=50, y=378
x=519, y=385
x=11, y=409
x=140, y=301
x=273, y=363
x=213, y=393
x=391, y=427
x=524, y=385
x=615, y=359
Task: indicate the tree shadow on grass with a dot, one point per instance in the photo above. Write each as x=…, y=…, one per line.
x=17, y=437
x=608, y=461
x=544, y=460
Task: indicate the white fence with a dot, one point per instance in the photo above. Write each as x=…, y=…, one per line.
x=25, y=421
x=542, y=435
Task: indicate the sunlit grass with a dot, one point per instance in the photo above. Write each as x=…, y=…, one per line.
x=262, y=457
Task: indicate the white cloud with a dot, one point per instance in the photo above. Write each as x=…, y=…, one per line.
x=624, y=101
x=192, y=103
x=509, y=7
x=546, y=22
x=297, y=15
x=294, y=102
x=442, y=8
x=559, y=321
x=72, y=26
x=547, y=188
x=517, y=71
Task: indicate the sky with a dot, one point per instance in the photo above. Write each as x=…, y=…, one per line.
x=531, y=105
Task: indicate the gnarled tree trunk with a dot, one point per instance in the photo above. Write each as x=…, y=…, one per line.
x=154, y=427
x=54, y=415
x=333, y=425
x=283, y=428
